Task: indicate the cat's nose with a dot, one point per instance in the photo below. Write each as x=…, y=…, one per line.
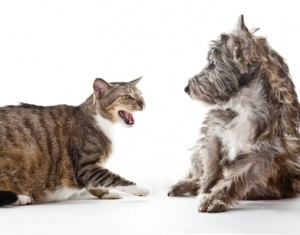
x=187, y=89
x=141, y=103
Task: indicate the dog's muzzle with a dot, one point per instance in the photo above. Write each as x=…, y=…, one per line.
x=187, y=89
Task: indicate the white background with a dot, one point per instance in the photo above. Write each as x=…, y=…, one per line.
x=51, y=52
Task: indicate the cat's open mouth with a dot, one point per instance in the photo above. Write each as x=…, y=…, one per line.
x=127, y=117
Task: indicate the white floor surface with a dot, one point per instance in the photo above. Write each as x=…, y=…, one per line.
x=155, y=214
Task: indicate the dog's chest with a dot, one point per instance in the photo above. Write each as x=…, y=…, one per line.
x=236, y=135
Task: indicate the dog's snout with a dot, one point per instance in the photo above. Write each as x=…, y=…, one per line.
x=187, y=89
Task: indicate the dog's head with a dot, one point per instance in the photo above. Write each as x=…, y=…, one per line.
x=232, y=61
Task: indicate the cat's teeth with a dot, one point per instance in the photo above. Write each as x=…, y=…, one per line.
x=127, y=117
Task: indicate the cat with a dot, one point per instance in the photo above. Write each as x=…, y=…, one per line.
x=53, y=153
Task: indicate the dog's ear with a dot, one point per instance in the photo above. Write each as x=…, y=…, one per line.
x=242, y=27
x=242, y=31
x=241, y=24
x=244, y=45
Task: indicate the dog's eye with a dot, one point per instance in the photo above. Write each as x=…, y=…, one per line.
x=126, y=97
x=212, y=63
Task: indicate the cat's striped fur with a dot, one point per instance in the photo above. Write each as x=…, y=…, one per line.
x=52, y=153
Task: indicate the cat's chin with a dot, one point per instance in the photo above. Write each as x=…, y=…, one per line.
x=126, y=125
x=126, y=118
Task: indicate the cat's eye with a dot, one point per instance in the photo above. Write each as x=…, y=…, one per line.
x=126, y=97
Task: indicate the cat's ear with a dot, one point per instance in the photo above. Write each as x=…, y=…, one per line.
x=135, y=81
x=100, y=87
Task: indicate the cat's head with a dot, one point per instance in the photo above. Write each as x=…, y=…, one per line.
x=117, y=101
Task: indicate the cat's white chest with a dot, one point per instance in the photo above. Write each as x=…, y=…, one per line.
x=107, y=127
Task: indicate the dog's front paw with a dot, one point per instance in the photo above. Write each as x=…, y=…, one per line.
x=176, y=190
x=184, y=187
x=209, y=204
x=135, y=190
x=217, y=206
x=203, y=201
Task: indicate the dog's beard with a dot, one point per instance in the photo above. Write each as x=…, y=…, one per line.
x=213, y=86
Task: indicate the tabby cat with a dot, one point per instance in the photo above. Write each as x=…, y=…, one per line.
x=53, y=153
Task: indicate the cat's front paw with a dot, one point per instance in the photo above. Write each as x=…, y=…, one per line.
x=135, y=190
x=209, y=204
x=22, y=200
x=112, y=194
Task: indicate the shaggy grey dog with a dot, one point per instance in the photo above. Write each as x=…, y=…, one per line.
x=249, y=147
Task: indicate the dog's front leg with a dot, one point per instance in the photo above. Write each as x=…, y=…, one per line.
x=244, y=173
x=190, y=184
x=204, y=171
x=210, y=155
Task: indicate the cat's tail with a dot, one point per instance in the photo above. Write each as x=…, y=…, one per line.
x=7, y=198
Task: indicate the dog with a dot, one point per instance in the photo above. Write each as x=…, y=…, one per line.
x=249, y=145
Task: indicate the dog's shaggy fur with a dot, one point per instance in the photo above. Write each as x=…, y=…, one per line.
x=250, y=144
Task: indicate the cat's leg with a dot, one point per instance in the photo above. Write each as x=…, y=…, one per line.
x=135, y=190
x=8, y=198
x=105, y=193
x=244, y=173
x=11, y=198
x=96, y=176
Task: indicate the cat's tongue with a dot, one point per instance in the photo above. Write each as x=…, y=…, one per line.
x=127, y=117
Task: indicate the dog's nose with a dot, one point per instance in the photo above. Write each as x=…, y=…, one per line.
x=187, y=89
